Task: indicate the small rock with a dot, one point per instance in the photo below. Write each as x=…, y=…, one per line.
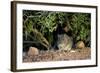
x=72, y=51
x=80, y=45
x=33, y=51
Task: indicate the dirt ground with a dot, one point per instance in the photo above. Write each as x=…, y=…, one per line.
x=56, y=55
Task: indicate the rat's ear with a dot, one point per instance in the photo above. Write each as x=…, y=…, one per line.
x=66, y=25
x=66, y=29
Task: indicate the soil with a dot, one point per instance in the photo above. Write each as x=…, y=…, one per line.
x=56, y=55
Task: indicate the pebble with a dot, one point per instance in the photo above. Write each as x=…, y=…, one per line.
x=80, y=45
x=33, y=51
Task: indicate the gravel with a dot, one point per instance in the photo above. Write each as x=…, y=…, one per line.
x=56, y=55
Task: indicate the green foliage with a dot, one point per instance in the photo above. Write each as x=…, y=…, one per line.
x=80, y=27
x=46, y=22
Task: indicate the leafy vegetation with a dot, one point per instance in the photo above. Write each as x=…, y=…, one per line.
x=80, y=26
x=39, y=26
